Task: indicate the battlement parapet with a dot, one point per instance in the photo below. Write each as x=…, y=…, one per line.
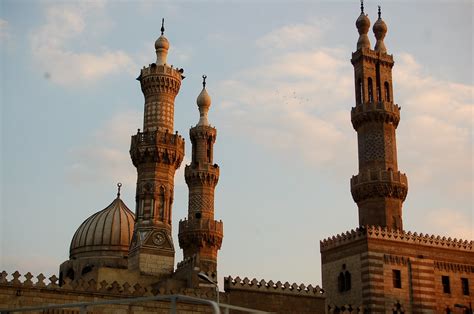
x=381, y=111
x=385, y=233
x=203, y=132
x=160, y=79
x=270, y=287
x=92, y=286
x=372, y=56
x=379, y=176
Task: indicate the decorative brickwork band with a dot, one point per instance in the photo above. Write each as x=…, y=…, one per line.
x=271, y=287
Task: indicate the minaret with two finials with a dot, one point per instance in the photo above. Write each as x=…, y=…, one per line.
x=200, y=236
x=379, y=189
x=156, y=152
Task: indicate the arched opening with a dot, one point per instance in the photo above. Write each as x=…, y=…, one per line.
x=387, y=91
x=86, y=270
x=359, y=92
x=209, y=150
x=370, y=90
x=347, y=276
x=70, y=274
x=161, y=203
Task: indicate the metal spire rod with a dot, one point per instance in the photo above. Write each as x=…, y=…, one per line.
x=162, y=26
x=204, y=77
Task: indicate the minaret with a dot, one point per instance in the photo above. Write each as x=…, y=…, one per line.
x=200, y=235
x=379, y=189
x=156, y=153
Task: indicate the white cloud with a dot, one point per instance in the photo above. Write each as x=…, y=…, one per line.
x=65, y=25
x=105, y=158
x=292, y=36
x=436, y=128
x=450, y=222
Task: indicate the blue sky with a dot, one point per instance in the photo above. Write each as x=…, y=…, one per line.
x=282, y=87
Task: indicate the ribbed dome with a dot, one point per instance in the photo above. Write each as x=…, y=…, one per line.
x=106, y=233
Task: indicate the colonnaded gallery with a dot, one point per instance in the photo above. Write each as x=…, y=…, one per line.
x=376, y=268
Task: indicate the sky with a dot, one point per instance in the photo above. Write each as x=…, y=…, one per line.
x=281, y=83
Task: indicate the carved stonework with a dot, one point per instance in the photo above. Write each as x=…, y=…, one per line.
x=378, y=189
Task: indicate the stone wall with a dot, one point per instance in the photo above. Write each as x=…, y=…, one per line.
x=275, y=297
x=374, y=254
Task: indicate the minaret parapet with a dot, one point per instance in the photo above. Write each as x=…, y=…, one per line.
x=372, y=56
x=379, y=183
x=382, y=111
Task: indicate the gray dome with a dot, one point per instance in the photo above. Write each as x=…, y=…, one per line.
x=107, y=233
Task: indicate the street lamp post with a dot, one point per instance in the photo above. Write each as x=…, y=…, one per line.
x=203, y=276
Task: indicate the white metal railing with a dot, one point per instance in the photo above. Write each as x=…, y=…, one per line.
x=174, y=298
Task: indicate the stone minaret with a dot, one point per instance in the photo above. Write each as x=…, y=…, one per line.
x=156, y=153
x=379, y=189
x=200, y=236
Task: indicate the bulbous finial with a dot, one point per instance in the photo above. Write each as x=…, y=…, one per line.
x=204, y=103
x=380, y=30
x=161, y=46
x=363, y=25
x=119, y=185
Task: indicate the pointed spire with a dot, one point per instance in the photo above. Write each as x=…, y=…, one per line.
x=119, y=185
x=163, y=26
x=380, y=30
x=204, y=103
x=362, y=6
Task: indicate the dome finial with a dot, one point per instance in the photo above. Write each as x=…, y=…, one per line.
x=119, y=185
x=363, y=26
x=204, y=102
x=380, y=30
x=161, y=46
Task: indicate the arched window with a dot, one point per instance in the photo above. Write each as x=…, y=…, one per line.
x=387, y=91
x=347, y=280
x=209, y=150
x=370, y=90
x=341, y=282
x=161, y=204
x=359, y=92
x=344, y=280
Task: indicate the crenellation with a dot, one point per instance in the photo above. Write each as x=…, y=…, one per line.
x=264, y=286
x=378, y=232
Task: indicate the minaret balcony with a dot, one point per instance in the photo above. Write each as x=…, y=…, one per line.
x=379, y=183
x=382, y=111
x=207, y=230
x=201, y=173
x=373, y=56
x=160, y=79
x=157, y=146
